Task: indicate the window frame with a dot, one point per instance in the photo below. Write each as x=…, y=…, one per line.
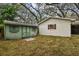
x=51, y=26
x=13, y=28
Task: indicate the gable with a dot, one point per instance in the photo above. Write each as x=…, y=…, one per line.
x=55, y=21
x=63, y=19
x=58, y=28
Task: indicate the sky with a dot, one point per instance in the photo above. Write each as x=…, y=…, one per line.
x=34, y=5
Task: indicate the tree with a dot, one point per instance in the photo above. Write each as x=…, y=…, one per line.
x=65, y=8
x=45, y=10
x=24, y=5
x=8, y=12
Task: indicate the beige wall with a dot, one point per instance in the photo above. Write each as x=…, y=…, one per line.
x=63, y=28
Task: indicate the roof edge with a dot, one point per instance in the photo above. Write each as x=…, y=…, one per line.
x=60, y=18
x=17, y=23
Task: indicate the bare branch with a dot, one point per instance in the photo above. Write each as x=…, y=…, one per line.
x=74, y=12
x=37, y=11
x=63, y=15
x=30, y=11
x=21, y=17
x=77, y=5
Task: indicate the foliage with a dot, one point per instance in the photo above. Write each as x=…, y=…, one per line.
x=29, y=13
x=8, y=12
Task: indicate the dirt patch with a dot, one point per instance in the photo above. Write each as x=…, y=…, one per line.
x=29, y=39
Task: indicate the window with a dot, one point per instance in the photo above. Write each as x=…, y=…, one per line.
x=52, y=26
x=13, y=29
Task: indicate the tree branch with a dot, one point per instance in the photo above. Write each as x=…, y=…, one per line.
x=74, y=12
x=37, y=11
x=63, y=15
x=30, y=12
x=21, y=17
x=77, y=5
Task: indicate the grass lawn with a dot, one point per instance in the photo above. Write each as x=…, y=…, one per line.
x=42, y=45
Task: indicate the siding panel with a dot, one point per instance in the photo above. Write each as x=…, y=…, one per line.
x=10, y=35
x=63, y=28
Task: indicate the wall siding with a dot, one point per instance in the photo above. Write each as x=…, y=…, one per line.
x=24, y=32
x=10, y=35
x=63, y=28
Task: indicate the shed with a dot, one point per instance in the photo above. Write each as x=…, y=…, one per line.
x=56, y=26
x=75, y=27
x=16, y=30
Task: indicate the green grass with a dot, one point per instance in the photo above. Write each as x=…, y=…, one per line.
x=41, y=46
